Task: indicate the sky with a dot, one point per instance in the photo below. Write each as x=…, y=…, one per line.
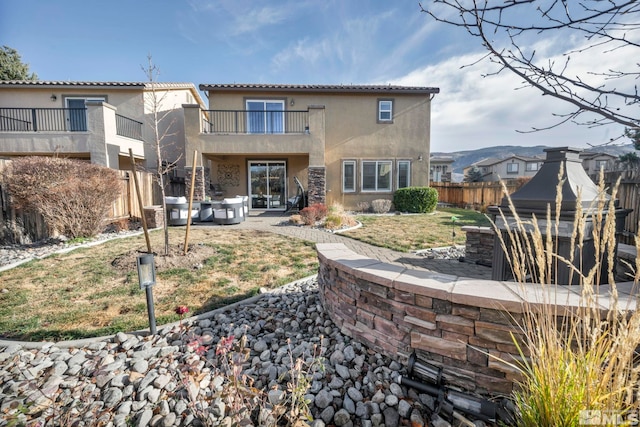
x=297, y=42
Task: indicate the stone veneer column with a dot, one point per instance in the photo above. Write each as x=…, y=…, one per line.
x=317, y=186
x=201, y=183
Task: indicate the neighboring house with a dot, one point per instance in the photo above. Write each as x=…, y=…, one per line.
x=345, y=144
x=594, y=161
x=95, y=121
x=508, y=168
x=440, y=170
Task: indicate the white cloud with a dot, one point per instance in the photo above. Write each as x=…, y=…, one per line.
x=342, y=51
x=473, y=111
x=254, y=19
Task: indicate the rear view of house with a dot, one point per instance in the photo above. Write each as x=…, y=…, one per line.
x=345, y=144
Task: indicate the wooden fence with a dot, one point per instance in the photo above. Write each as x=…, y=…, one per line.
x=628, y=198
x=477, y=195
x=33, y=228
x=474, y=195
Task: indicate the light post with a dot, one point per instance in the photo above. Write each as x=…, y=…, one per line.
x=147, y=278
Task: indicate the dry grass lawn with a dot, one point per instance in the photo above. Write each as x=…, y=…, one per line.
x=95, y=291
x=407, y=233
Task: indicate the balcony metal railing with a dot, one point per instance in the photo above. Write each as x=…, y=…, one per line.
x=128, y=127
x=43, y=119
x=255, y=122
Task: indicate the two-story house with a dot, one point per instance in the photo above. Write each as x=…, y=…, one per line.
x=441, y=168
x=594, y=161
x=511, y=167
x=95, y=121
x=346, y=144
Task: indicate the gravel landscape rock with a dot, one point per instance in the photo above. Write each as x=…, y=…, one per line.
x=134, y=380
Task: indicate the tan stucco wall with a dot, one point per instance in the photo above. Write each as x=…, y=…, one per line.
x=132, y=103
x=350, y=132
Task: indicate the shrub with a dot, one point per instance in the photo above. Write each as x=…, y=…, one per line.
x=314, y=213
x=363, y=207
x=381, y=205
x=296, y=219
x=338, y=218
x=416, y=199
x=73, y=197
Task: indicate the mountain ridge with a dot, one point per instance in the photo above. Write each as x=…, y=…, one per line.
x=465, y=158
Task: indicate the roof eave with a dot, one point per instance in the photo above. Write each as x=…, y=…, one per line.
x=321, y=89
x=70, y=84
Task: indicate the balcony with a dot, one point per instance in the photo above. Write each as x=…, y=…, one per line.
x=95, y=132
x=128, y=128
x=60, y=120
x=262, y=122
x=43, y=120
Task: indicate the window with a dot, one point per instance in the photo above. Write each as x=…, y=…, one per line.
x=512, y=167
x=601, y=164
x=376, y=175
x=265, y=116
x=404, y=175
x=348, y=176
x=385, y=110
x=532, y=166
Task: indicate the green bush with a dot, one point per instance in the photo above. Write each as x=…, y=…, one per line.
x=415, y=199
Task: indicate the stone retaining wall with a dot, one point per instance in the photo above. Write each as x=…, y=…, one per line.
x=479, y=244
x=462, y=325
x=153, y=216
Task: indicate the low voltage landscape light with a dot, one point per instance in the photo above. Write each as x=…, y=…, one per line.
x=147, y=278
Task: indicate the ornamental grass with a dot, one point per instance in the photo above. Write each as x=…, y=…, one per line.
x=578, y=366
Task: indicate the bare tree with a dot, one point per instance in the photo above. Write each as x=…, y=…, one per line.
x=161, y=124
x=592, y=30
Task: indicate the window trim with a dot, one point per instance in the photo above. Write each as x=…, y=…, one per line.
x=355, y=184
x=264, y=101
x=380, y=111
x=527, y=167
x=408, y=162
x=517, y=166
x=377, y=189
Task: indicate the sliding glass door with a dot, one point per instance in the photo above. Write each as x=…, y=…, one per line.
x=267, y=181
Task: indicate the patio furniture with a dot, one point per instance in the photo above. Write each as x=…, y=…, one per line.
x=299, y=201
x=206, y=211
x=178, y=210
x=245, y=205
x=228, y=211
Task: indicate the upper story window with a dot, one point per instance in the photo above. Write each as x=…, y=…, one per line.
x=385, y=110
x=512, y=167
x=376, y=175
x=265, y=116
x=404, y=173
x=601, y=164
x=348, y=176
x=532, y=166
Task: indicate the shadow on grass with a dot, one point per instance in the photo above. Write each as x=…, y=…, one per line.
x=76, y=334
